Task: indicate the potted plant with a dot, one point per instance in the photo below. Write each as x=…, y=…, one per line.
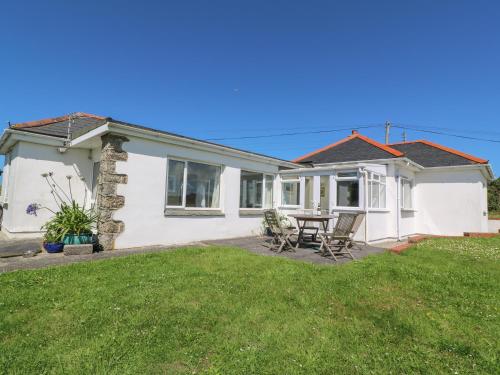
x=72, y=224
x=75, y=223
x=284, y=221
x=52, y=239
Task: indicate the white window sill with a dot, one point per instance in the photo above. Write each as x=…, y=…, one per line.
x=408, y=210
x=289, y=207
x=356, y=209
x=193, y=212
x=252, y=211
x=379, y=210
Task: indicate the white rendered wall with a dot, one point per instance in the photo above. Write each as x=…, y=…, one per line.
x=143, y=213
x=8, y=185
x=26, y=185
x=494, y=225
x=451, y=202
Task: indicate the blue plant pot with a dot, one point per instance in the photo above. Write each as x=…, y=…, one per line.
x=53, y=247
x=73, y=239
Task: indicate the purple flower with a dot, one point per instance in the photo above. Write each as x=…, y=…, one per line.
x=32, y=209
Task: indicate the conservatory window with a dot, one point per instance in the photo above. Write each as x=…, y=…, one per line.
x=376, y=190
x=406, y=194
x=290, y=190
x=347, y=189
x=193, y=185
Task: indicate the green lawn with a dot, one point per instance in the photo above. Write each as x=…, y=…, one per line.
x=433, y=309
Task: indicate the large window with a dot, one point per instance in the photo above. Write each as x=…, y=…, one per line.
x=193, y=185
x=290, y=190
x=256, y=190
x=376, y=190
x=347, y=189
x=406, y=194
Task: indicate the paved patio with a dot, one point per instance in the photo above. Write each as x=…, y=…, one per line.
x=11, y=248
x=309, y=254
x=252, y=244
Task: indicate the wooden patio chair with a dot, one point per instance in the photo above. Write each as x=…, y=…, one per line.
x=355, y=227
x=281, y=236
x=340, y=241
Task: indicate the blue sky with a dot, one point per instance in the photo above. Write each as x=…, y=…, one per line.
x=217, y=69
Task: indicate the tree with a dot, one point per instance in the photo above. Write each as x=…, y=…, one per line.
x=494, y=195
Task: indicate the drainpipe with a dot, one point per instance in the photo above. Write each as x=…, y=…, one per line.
x=365, y=203
x=398, y=206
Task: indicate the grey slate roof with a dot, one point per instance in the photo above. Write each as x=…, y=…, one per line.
x=79, y=125
x=359, y=148
x=353, y=150
x=429, y=156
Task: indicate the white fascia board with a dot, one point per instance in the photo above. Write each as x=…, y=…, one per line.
x=10, y=137
x=194, y=144
x=97, y=132
x=484, y=168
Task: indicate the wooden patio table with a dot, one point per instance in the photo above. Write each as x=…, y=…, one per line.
x=303, y=219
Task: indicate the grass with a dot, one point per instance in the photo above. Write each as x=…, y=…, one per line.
x=494, y=214
x=433, y=309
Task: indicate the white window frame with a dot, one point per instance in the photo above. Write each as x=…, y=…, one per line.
x=6, y=178
x=184, y=184
x=371, y=181
x=284, y=180
x=265, y=177
x=350, y=178
x=402, y=198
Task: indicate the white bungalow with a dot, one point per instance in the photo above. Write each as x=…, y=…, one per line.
x=157, y=188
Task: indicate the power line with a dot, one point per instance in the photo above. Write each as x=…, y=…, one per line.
x=291, y=134
x=454, y=130
x=421, y=129
x=447, y=134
